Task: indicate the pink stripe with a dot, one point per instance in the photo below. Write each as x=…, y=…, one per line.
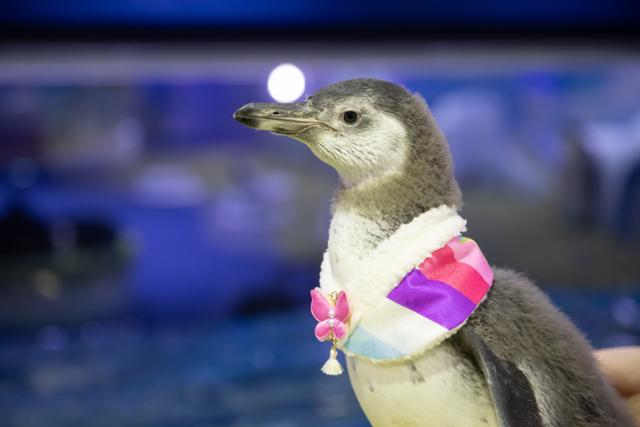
x=469, y=253
x=443, y=266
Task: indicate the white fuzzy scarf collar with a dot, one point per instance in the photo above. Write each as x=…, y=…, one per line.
x=381, y=270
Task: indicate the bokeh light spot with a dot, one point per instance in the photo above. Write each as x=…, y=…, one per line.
x=286, y=83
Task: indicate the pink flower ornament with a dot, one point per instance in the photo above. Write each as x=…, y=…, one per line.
x=331, y=314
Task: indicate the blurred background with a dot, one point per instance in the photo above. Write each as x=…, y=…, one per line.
x=156, y=256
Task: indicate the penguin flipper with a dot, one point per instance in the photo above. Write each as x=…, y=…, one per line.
x=511, y=392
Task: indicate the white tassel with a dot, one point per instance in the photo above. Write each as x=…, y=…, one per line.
x=332, y=366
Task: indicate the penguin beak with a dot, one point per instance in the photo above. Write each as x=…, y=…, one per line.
x=284, y=119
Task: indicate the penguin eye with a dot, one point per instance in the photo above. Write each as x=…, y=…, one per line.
x=350, y=117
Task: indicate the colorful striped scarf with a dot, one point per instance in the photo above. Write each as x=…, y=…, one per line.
x=413, y=292
x=428, y=305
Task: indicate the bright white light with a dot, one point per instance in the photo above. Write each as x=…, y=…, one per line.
x=286, y=83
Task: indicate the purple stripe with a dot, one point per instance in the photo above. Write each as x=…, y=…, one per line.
x=432, y=299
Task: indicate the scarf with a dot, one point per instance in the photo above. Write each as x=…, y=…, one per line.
x=412, y=292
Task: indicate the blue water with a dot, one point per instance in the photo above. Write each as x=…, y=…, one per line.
x=260, y=371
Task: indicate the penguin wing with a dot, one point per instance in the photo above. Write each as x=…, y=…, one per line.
x=512, y=395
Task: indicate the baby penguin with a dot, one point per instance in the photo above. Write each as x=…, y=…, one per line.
x=433, y=335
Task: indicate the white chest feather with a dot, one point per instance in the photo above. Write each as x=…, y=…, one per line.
x=441, y=389
x=350, y=240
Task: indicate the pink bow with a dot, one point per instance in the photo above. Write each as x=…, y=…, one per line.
x=331, y=314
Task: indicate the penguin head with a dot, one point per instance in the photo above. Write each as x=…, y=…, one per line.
x=352, y=125
x=363, y=128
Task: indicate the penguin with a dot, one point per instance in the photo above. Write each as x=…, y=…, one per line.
x=513, y=360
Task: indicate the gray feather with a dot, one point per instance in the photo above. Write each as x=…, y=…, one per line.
x=519, y=324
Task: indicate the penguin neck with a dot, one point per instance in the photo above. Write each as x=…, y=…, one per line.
x=385, y=203
x=367, y=214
